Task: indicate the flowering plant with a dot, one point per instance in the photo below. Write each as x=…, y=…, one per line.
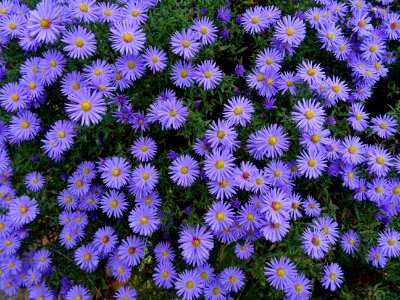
x=161, y=149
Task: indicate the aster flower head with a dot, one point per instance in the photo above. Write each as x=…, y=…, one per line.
x=127, y=38
x=115, y=172
x=308, y=114
x=185, y=43
x=358, y=118
x=315, y=243
x=164, y=274
x=238, y=110
x=349, y=241
x=208, y=74
x=269, y=59
x=333, y=277
x=105, y=240
x=196, y=244
x=353, y=150
x=377, y=257
x=280, y=272
x=312, y=207
x=144, y=220
x=219, y=216
x=155, y=59
x=172, y=114
x=125, y=293
x=275, y=206
x=330, y=35
x=86, y=107
x=182, y=74
x=383, y=126
x=86, y=257
x=78, y=291
x=23, y=210
x=254, y=20
x=189, y=285
x=34, y=181
x=311, y=164
x=328, y=226
x=268, y=142
x=144, y=149
x=219, y=165
x=164, y=252
x=290, y=30
x=113, y=203
x=84, y=10
x=232, y=278
x=298, y=288
x=389, y=242
x=14, y=97
x=135, y=12
x=221, y=135
x=81, y=43
x=223, y=15
x=184, y=170
x=205, y=30
x=131, y=250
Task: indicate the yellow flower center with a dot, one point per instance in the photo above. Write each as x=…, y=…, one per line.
x=203, y=30
x=113, y=203
x=183, y=73
x=164, y=253
x=12, y=26
x=309, y=114
x=270, y=81
x=259, y=181
x=373, y=48
x=336, y=88
x=144, y=220
x=154, y=59
x=79, y=42
x=391, y=242
x=220, y=134
x=135, y=13
x=330, y=36
x=87, y=256
x=280, y=273
x=295, y=205
x=315, y=241
x=196, y=242
x=25, y=124
x=220, y=164
x=315, y=138
x=220, y=216
x=31, y=85
x=254, y=20
x=53, y=63
x=164, y=274
x=145, y=176
x=277, y=173
x=350, y=175
x=351, y=241
x=131, y=65
x=317, y=17
x=298, y=287
x=75, y=86
x=269, y=61
x=260, y=77
x=380, y=160
x=250, y=217
x=204, y=275
x=189, y=284
x=290, y=83
x=379, y=190
x=382, y=125
x=148, y=201
x=272, y=140
x=86, y=105
x=35, y=180
x=61, y=134
x=116, y=172
x=396, y=190
x=23, y=209
x=14, y=97
x=207, y=74
x=352, y=149
x=79, y=183
x=185, y=43
x=107, y=12
x=312, y=163
x=276, y=205
x=232, y=279
x=105, y=239
x=223, y=184
x=83, y=8
x=237, y=110
x=290, y=31
x=311, y=71
x=127, y=37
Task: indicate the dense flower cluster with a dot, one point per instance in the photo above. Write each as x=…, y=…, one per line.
x=356, y=33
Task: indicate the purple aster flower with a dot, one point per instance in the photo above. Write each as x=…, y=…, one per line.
x=144, y=149
x=164, y=274
x=185, y=43
x=78, y=291
x=232, y=278
x=280, y=272
x=208, y=74
x=268, y=142
x=80, y=42
x=14, y=97
x=184, y=170
x=290, y=30
x=189, y=285
x=144, y=220
x=86, y=257
x=308, y=115
x=358, y=118
x=389, y=242
x=155, y=59
x=353, y=150
x=223, y=15
x=72, y=82
x=86, y=106
x=172, y=155
x=349, y=241
x=52, y=66
x=377, y=257
x=330, y=35
x=109, y=12
x=105, y=240
x=87, y=169
x=287, y=82
x=42, y=260
x=275, y=231
x=205, y=30
x=214, y=290
x=221, y=135
x=337, y=90
x=298, y=288
x=312, y=207
x=131, y=67
x=383, y=126
x=225, y=188
x=219, y=216
x=135, y=12
x=225, y=33
x=372, y=49
x=275, y=206
x=333, y=277
x=311, y=164
x=84, y=10
x=314, y=243
x=131, y=250
x=254, y=20
x=127, y=38
x=163, y=252
x=113, y=204
x=34, y=181
x=272, y=14
x=144, y=177
x=379, y=161
x=310, y=72
x=238, y=110
x=392, y=25
x=115, y=172
x=23, y=210
x=196, y=244
x=24, y=126
x=125, y=293
x=219, y=165
x=182, y=74
x=328, y=226
x=44, y=23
